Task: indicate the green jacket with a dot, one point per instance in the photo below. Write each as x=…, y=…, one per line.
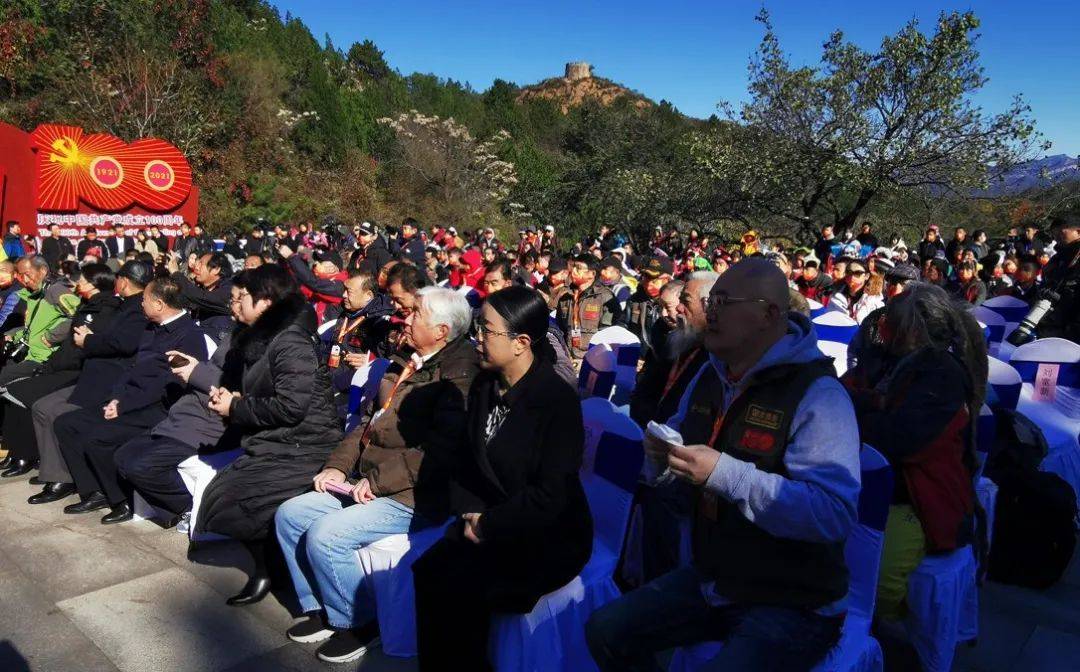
x=48, y=314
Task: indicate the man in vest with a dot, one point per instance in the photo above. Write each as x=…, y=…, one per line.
x=644, y=307
x=769, y=439
x=587, y=309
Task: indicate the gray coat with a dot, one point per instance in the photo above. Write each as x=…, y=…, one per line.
x=190, y=419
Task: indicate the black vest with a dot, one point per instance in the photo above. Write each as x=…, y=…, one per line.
x=749, y=565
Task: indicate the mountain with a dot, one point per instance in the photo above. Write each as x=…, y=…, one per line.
x=578, y=85
x=1038, y=173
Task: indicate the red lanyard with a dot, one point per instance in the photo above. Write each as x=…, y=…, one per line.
x=677, y=371
x=347, y=327
x=409, y=369
x=575, y=320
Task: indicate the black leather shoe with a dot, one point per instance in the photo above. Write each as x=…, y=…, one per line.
x=120, y=513
x=52, y=492
x=253, y=591
x=36, y=480
x=94, y=502
x=19, y=468
x=6, y=461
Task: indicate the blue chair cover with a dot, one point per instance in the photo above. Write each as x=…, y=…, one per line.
x=1004, y=382
x=1010, y=308
x=836, y=326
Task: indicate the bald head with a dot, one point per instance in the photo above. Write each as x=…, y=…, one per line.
x=755, y=278
x=748, y=313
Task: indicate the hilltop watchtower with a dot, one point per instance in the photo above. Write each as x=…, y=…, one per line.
x=578, y=70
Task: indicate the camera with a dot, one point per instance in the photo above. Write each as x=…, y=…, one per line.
x=1025, y=331
x=14, y=351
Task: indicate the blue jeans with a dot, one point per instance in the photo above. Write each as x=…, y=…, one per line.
x=671, y=611
x=319, y=533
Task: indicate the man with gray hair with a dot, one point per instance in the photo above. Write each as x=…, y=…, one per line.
x=395, y=464
x=50, y=304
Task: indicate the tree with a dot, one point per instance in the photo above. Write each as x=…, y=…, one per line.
x=820, y=144
x=443, y=161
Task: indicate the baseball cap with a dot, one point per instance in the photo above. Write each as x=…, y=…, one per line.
x=367, y=229
x=657, y=266
x=902, y=273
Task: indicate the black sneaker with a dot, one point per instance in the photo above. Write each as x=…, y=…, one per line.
x=347, y=645
x=312, y=629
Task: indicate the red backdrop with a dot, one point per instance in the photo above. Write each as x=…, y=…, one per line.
x=58, y=174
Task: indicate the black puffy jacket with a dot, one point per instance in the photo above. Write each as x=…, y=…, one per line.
x=287, y=407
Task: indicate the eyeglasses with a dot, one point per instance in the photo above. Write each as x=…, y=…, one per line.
x=715, y=302
x=857, y=274
x=239, y=297
x=483, y=332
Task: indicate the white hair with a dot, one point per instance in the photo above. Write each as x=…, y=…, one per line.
x=445, y=306
x=707, y=280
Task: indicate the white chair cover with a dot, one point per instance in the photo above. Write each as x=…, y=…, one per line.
x=627, y=349
x=552, y=635
x=362, y=390
x=943, y=600
x=470, y=294
x=839, y=354
x=1004, y=383
x=597, y=375
x=211, y=346
x=835, y=326
x=1060, y=429
x=857, y=650
x=387, y=565
x=197, y=471
x=324, y=329
x=995, y=325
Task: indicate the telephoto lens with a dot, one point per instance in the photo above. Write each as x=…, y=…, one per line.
x=1025, y=331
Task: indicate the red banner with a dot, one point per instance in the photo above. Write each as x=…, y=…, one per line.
x=107, y=173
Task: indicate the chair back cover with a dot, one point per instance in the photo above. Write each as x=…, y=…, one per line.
x=835, y=326
x=1004, y=384
x=597, y=375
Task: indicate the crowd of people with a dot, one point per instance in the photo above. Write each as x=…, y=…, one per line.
x=129, y=352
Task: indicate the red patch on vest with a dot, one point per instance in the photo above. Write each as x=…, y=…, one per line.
x=757, y=441
x=590, y=311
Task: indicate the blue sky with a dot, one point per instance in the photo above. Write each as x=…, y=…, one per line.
x=695, y=53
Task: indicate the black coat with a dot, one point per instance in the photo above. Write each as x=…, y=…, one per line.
x=211, y=308
x=148, y=381
x=526, y=485
x=97, y=313
x=108, y=353
x=287, y=407
x=55, y=250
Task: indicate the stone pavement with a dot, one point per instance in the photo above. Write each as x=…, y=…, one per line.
x=76, y=595
x=79, y=596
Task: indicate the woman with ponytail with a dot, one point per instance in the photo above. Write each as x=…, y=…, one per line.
x=919, y=408
x=522, y=527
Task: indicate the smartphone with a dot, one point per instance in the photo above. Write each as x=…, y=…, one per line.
x=340, y=488
x=177, y=361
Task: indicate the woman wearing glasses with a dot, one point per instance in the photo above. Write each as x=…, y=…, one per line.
x=861, y=293
x=524, y=527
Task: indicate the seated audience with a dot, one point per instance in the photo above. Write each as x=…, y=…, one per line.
x=919, y=410
x=396, y=466
x=524, y=527
x=99, y=303
x=138, y=400
x=284, y=409
x=769, y=440
x=107, y=354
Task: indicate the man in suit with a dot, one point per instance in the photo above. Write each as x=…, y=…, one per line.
x=138, y=400
x=209, y=292
x=107, y=353
x=120, y=243
x=55, y=248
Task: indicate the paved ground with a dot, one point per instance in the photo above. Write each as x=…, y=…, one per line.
x=76, y=595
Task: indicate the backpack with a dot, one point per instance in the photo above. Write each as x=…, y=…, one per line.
x=1019, y=445
x=1034, y=529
